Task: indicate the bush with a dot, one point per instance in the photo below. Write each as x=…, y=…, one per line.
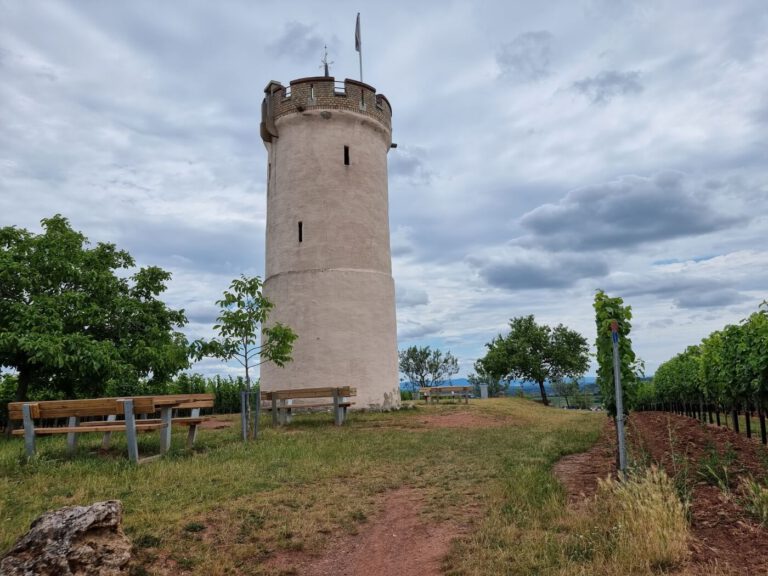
x=7, y=394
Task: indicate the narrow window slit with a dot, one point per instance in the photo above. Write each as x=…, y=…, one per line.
x=301, y=231
x=346, y=155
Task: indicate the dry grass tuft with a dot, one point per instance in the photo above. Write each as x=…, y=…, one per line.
x=755, y=497
x=635, y=526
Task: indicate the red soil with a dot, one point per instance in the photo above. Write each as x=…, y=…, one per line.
x=725, y=539
x=383, y=547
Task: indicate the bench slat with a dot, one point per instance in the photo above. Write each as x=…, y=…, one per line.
x=344, y=392
x=106, y=406
x=81, y=408
x=86, y=428
x=299, y=406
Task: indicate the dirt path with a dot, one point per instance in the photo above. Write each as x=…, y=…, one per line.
x=579, y=473
x=397, y=542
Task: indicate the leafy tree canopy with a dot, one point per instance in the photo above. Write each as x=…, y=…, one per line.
x=425, y=367
x=536, y=353
x=70, y=323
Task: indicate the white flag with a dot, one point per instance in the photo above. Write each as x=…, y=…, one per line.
x=357, y=33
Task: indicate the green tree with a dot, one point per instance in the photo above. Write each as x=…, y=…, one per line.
x=70, y=324
x=608, y=309
x=495, y=385
x=536, y=353
x=425, y=367
x=568, y=389
x=244, y=332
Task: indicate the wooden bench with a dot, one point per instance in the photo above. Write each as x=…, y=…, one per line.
x=110, y=408
x=434, y=393
x=281, y=402
x=192, y=402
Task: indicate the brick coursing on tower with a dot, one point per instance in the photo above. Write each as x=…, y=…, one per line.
x=299, y=98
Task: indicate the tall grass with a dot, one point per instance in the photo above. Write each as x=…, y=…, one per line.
x=637, y=525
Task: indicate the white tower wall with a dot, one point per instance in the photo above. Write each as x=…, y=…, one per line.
x=328, y=265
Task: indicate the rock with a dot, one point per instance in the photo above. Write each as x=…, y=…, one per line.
x=72, y=541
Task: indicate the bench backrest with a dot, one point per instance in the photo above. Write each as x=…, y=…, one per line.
x=442, y=389
x=79, y=408
x=186, y=400
x=342, y=391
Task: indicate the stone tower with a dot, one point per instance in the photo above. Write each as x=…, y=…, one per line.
x=328, y=265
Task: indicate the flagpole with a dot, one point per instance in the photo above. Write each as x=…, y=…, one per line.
x=360, y=55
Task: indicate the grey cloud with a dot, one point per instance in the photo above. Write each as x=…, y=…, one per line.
x=526, y=271
x=526, y=57
x=715, y=298
x=232, y=249
x=410, y=330
x=685, y=290
x=609, y=84
x=409, y=297
x=409, y=163
x=626, y=212
x=298, y=41
x=201, y=313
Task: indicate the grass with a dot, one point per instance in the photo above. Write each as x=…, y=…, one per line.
x=755, y=499
x=226, y=506
x=716, y=468
x=636, y=526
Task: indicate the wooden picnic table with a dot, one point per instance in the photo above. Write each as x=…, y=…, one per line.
x=110, y=408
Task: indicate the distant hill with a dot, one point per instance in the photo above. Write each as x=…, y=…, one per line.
x=587, y=382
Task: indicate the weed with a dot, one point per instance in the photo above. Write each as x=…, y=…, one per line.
x=636, y=524
x=714, y=468
x=186, y=563
x=681, y=477
x=147, y=541
x=194, y=527
x=755, y=499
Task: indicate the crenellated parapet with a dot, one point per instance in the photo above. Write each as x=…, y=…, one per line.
x=321, y=93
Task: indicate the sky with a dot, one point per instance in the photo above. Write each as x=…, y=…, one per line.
x=545, y=150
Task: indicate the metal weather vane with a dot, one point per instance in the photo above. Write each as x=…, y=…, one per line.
x=325, y=63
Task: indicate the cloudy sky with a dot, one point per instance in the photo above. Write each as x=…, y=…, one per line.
x=546, y=150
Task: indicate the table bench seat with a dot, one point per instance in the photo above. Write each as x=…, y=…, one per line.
x=96, y=427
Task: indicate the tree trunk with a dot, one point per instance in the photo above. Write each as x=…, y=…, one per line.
x=748, y=419
x=24, y=381
x=247, y=406
x=544, y=398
